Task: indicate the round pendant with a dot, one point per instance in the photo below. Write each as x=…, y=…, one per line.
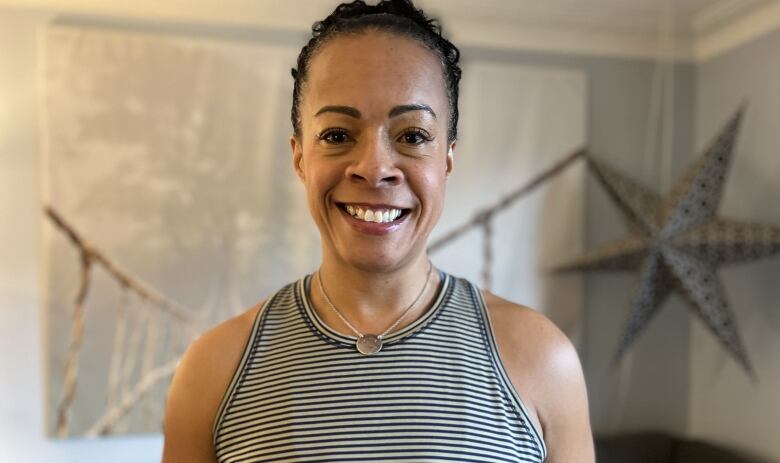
x=368, y=344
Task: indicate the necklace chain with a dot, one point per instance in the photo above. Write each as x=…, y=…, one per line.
x=391, y=327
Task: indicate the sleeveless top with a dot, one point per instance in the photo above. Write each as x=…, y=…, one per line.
x=436, y=392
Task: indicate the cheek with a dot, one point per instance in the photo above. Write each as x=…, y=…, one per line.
x=321, y=178
x=430, y=184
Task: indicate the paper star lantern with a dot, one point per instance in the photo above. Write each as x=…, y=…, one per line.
x=676, y=243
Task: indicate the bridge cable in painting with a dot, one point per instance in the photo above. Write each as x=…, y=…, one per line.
x=483, y=219
x=140, y=360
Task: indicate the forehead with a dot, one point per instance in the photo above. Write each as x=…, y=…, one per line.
x=373, y=70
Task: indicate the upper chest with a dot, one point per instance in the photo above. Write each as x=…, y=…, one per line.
x=303, y=390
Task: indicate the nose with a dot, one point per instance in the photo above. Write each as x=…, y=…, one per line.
x=375, y=163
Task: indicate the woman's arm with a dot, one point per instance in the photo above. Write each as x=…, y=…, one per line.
x=198, y=385
x=563, y=407
x=189, y=409
x=545, y=369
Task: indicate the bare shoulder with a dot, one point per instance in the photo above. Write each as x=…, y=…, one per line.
x=530, y=337
x=545, y=368
x=199, y=384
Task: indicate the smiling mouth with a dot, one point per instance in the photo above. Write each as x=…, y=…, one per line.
x=374, y=215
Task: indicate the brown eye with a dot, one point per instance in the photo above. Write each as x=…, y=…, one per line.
x=415, y=137
x=334, y=136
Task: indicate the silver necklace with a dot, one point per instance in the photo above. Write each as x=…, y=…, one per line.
x=368, y=344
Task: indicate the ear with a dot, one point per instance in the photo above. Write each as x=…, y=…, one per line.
x=449, y=159
x=297, y=156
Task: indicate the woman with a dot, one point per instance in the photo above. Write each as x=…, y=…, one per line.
x=378, y=356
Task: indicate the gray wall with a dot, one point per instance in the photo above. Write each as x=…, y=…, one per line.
x=725, y=405
x=649, y=389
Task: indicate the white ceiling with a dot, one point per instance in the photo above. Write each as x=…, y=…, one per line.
x=635, y=28
x=688, y=29
x=637, y=15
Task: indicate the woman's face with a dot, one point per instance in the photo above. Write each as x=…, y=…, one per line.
x=373, y=145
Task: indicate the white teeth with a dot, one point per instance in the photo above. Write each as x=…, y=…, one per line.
x=376, y=216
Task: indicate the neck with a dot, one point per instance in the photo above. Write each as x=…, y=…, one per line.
x=373, y=301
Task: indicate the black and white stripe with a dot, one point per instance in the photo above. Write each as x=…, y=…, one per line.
x=436, y=392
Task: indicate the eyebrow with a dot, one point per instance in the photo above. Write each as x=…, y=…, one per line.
x=397, y=111
x=348, y=110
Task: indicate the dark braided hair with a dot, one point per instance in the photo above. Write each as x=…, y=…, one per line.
x=396, y=16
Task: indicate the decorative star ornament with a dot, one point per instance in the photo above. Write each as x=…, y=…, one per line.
x=676, y=243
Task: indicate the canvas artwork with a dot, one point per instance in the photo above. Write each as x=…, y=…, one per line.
x=172, y=204
x=168, y=154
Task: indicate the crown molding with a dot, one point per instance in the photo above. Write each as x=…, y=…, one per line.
x=294, y=15
x=572, y=40
x=612, y=28
x=720, y=13
x=736, y=28
x=634, y=16
x=618, y=28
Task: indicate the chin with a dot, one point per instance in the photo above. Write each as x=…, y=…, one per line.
x=375, y=264
x=384, y=258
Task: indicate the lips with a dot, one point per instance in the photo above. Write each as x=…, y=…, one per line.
x=373, y=213
x=374, y=219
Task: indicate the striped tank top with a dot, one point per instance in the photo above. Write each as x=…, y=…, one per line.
x=436, y=392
